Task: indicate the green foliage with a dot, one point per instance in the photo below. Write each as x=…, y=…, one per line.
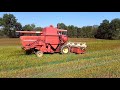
x=103, y=30
x=115, y=28
x=1, y=33
x=109, y=30
x=79, y=32
x=9, y=24
x=84, y=32
x=38, y=29
x=72, y=31
x=88, y=31
x=18, y=26
x=61, y=26
x=1, y=21
x=29, y=27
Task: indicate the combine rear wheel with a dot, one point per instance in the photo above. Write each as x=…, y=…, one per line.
x=39, y=53
x=65, y=49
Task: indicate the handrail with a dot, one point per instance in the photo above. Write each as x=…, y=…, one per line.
x=29, y=32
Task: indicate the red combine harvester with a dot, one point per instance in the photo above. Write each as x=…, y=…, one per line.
x=49, y=40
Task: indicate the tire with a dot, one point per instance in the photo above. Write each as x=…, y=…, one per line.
x=28, y=52
x=65, y=49
x=39, y=53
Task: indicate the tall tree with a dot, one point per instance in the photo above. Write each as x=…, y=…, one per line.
x=18, y=27
x=78, y=32
x=103, y=31
x=115, y=28
x=61, y=26
x=38, y=28
x=8, y=22
x=1, y=21
x=29, y=27
x=72, y=31
x=109, y=30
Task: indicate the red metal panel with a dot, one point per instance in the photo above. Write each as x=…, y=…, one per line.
x=43, y=48
x=77, y=50
x=52, y=39
x=50, y=31
x=28, y=39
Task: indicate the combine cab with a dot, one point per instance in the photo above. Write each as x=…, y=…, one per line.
x=49, y=40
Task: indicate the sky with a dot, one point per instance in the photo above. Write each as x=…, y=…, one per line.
x=79, y=19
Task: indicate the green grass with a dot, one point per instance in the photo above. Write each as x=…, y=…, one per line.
x=101, y=60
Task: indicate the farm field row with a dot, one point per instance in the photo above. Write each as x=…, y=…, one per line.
x=101, y=60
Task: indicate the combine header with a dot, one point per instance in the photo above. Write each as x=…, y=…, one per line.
x=49, y=40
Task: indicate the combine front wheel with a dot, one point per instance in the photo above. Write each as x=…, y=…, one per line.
x=65, y=49
x=39, y=53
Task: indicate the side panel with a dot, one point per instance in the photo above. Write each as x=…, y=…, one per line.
x=25, y=40
x=52, y=39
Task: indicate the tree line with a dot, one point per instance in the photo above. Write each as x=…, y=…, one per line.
x=106, y=29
